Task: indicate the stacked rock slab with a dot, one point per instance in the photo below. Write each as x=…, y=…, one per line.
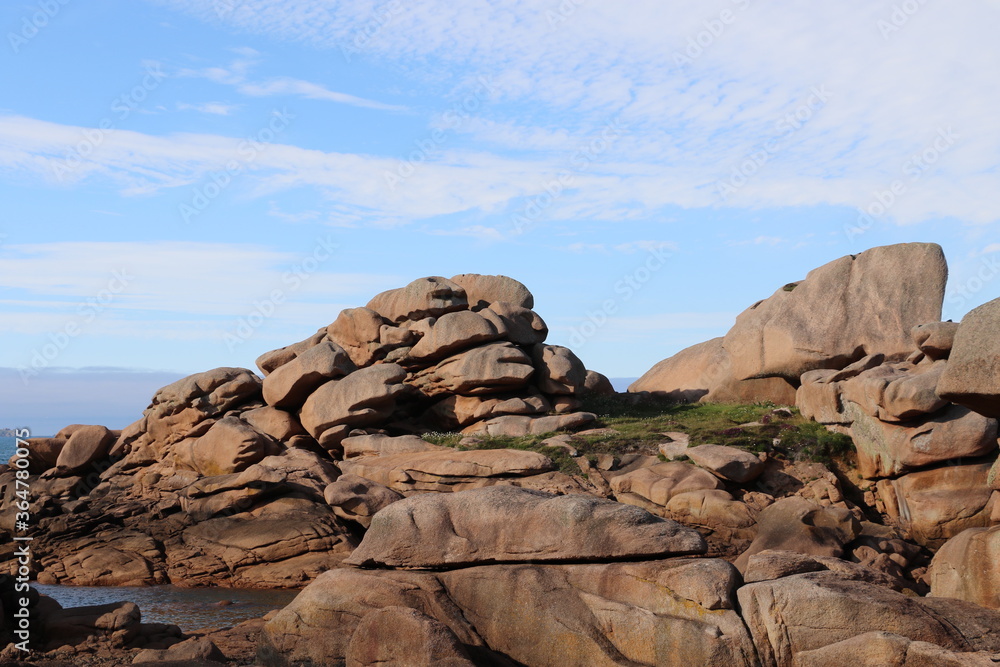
x=852, y=307
x=429, y=356
x=928, y=459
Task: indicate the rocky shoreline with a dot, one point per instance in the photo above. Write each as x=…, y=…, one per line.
x=319, y=475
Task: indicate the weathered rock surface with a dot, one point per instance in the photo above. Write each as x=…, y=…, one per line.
x=364, y=397
x=358, y=331
x=770, y=565
x=658, y=484
x=385, y=445
x=972, y=378
x=447, y=469
x=482, y=370
x=453, y=332
x=936, y=339
x=358, y=499
x=481, y=291
x=807, y=612
x=854, y=306
x=289, y=385
x=515, y=426
x=884, y=649
x=796, y=524
x=933, y=506
x=703, y=372
x=85, y=446
x=506, y=524
x=887, y=450
x=270, y=361
x=676, y=612
x=597, y=384
x=400, y=635
x=190, y=652
x=460, y=411
x=729, y=463
x=967, y=568
x=229, y=446
x=559, y=371
x=425, y=297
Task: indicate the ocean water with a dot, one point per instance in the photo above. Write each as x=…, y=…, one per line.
x=188, y=608
x=7, y=447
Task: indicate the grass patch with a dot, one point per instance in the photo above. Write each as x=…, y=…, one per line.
x=641, y=422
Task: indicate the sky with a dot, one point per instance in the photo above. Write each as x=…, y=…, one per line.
x=187, y=184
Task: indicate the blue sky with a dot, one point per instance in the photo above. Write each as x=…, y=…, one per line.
x=188, y=184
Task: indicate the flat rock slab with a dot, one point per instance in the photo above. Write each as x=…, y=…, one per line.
x=442, y=469
x=735, y=465
x=504, y=524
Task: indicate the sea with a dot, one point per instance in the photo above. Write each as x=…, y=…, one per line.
x=7, y=447
x=188, y=608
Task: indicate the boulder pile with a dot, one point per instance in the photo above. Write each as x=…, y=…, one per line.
x=236, y=479
x=314, y=475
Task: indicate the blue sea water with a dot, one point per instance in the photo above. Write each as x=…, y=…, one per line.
x=7, y=447
x=188, y=608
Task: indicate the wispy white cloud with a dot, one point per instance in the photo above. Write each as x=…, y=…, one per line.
x=214, y=108
x=237, y=74
x=312, y=91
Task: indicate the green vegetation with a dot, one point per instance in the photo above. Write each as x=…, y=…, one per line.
x=640, y=425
